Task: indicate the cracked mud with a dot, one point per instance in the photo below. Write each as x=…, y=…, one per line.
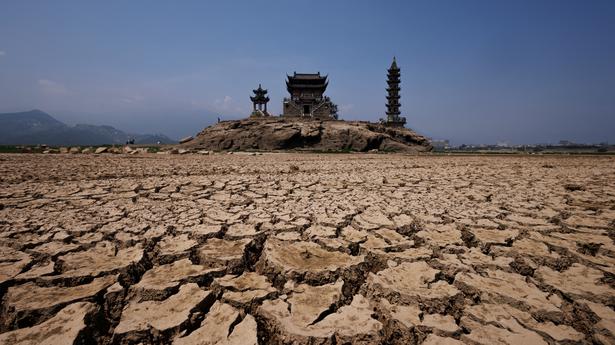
x=306, y=249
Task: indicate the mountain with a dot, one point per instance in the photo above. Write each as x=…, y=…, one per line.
x=37, y=127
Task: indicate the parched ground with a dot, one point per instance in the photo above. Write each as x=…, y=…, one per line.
x=307, y=249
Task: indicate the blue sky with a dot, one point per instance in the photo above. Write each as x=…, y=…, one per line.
x=472, y=71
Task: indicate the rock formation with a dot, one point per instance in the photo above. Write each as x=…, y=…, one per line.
x=307, y=134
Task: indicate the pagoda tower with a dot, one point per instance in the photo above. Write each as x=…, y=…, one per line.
x=393, y=79
x=259, y=102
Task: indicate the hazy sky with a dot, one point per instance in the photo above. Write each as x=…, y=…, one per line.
x=472, y=71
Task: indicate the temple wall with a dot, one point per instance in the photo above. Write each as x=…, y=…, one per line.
x=319, y=110
x=288, y=109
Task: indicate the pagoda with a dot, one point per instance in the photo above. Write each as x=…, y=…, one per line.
x=307, y=97
x=259, y=102
x=393, y=79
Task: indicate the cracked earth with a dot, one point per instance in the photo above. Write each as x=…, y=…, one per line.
x=306, y=249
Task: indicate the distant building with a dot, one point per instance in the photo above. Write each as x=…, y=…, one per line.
x=307, y=97
x=393, y=118
x=440, y=144
x=566, y=143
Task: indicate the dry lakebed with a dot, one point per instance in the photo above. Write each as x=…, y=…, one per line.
x=298, y=248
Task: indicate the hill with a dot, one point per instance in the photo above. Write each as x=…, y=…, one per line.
x=37, y=127
x=277, y=133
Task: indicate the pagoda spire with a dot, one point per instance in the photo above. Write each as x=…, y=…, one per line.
x=393, y=79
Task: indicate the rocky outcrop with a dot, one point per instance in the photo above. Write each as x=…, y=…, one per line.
x=286, y=134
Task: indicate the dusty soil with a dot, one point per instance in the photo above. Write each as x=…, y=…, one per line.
x=306, y=249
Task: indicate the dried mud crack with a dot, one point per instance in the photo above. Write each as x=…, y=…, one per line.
x=306, y=249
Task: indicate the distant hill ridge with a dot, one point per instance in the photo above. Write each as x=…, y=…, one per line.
x=37, y=127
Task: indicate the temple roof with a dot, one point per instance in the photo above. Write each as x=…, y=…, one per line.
x=312, y=81
x=307, y=76
x=259, y=99
x=260, y=90
x=259, y=95
x=307, y=79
